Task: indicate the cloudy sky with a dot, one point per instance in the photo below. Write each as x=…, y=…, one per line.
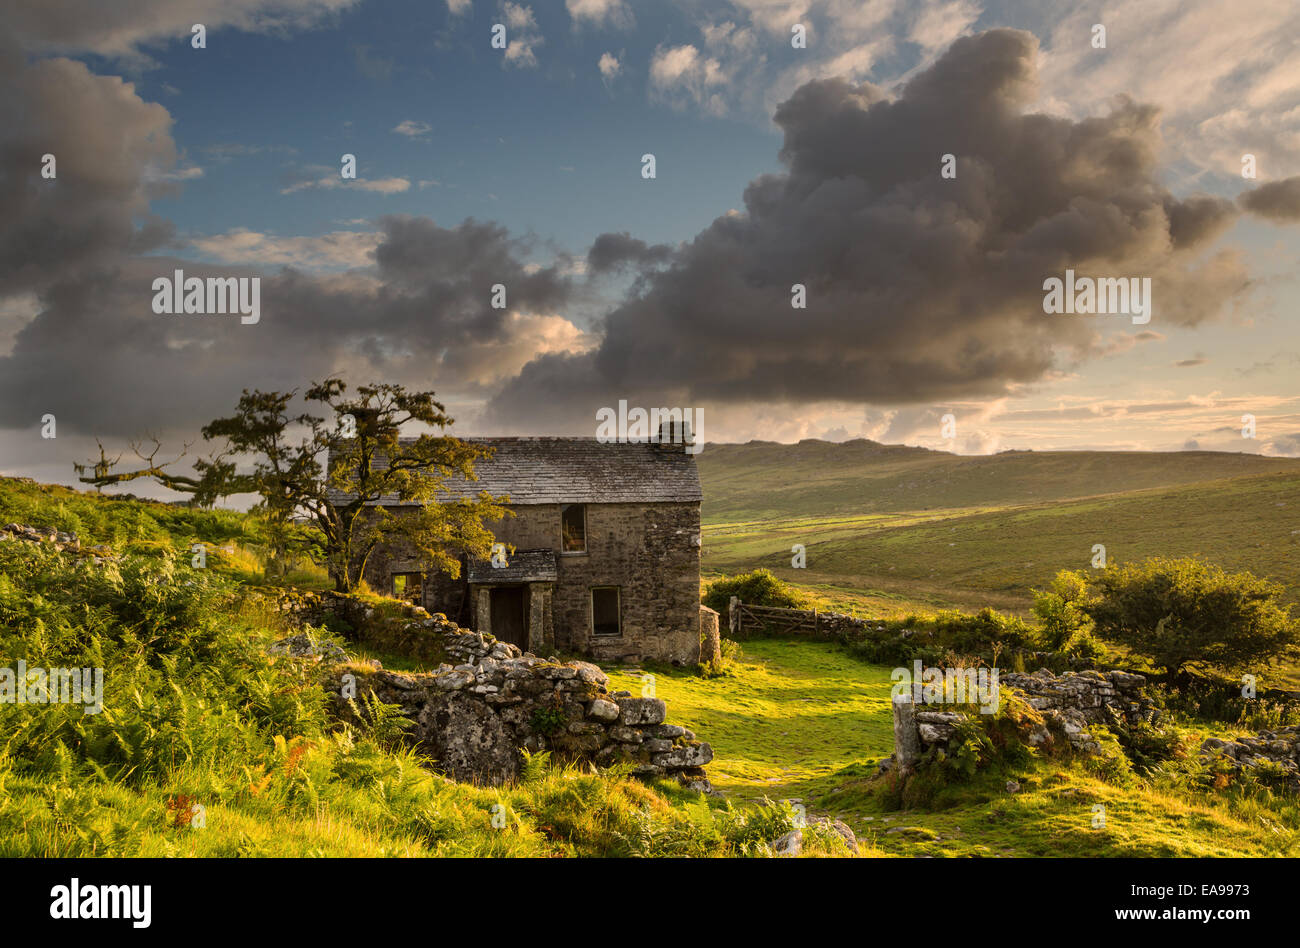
x=776, y=163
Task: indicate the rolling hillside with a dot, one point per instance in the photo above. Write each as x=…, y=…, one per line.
x=900, y=528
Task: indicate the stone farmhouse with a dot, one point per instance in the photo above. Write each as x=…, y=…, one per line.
x=602, y=554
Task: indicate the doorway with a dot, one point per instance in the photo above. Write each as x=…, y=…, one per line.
x=509, y=615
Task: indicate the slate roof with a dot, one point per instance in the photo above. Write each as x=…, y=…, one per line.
x=524, y=566
x=576, y=471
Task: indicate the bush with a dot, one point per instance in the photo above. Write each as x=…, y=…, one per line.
x=1059, y=608
x=1084, y=646
x=1182, y=611
x=759, y=588
x=1147, y=745
x=979, y=633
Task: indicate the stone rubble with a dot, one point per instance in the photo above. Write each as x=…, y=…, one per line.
x=62, y=541
x=1280, y=746
x=1069, y=703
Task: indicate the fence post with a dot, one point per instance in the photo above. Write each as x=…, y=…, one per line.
x=907, y=738
x=733, y=615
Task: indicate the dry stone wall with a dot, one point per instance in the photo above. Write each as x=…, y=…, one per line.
x=1068, y=703
x=487, y=700
x=1074, y=700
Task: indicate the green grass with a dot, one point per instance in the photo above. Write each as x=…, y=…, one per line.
x=235, y=543
x=801, y=720
x=792, y=714
x=894, y=530
x=196, y=712
x=768, y=481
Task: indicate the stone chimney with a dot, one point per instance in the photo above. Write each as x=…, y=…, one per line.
x=675, y=431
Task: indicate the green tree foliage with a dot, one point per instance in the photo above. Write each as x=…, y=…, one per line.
x=981, y=632
x=334, y=469
x=1059, y=608
x=1184, y=611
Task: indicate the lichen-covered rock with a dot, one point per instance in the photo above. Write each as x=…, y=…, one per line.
x=840, y=827
x=470, y=740
x=603, y=710
x=635, y=711
x=687, y=755
x=1090, y=693
x=303, y=646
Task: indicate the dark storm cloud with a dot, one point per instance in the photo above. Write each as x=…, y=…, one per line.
x=1277, y=200
x=76, y=283
x=919, y=288
x=615, y=251
x=102, y=360
x=109, y=148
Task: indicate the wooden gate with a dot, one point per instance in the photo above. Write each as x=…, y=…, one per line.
x=771, y=618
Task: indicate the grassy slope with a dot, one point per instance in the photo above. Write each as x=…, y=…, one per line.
x=799, y=720
x=804, y=721
x=891, y=529
x=235, y=542
x=196, y=710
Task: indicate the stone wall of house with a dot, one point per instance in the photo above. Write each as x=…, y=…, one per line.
x=487, y=700
x=650, y=551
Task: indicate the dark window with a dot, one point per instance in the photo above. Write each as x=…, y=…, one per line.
x=573, y=528
x=409, y=586
x=604, y=611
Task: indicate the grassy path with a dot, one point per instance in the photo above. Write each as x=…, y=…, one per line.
x=803, y=721
x=795, y=713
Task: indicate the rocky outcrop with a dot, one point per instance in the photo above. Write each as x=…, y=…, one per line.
x=1279, y=747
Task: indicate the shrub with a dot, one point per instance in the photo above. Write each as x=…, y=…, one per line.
x=1084, y=646
x=982, y=632
x=759, y=588
x=1147, y=745
x=1059, y=608
x=1181, y=611
x=1110, y=764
